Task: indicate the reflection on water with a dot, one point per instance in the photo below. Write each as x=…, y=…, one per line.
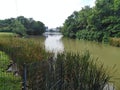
x=53, y=42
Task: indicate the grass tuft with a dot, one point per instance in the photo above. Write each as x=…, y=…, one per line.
x=7, y=80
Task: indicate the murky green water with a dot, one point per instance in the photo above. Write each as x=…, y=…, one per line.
x=108, y=55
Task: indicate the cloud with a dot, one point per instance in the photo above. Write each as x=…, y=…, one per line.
x=7, y=9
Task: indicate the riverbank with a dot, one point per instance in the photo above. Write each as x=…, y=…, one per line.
x=8, y=81
x=76, y=68
x=84, y=24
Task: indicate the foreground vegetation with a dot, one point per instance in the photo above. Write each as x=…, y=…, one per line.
x=72, y=71
x=69, y=72
x=7, y=80
x=98, y=23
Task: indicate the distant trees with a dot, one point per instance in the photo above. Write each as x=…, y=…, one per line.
x=18, y=27
x=97, y=23
x=37, y=28
x=22, y=26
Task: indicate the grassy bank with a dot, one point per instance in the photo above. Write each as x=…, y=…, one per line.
x=7, y=80
x=23, y=50
x=7, y=34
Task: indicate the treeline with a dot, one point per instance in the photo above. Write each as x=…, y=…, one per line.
x=22, y=26
x=97, y=23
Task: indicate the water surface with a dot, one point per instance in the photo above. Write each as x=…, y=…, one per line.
x=108, y=55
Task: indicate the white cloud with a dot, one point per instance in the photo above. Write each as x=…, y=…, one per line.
x=51, y=12
x=7, y=9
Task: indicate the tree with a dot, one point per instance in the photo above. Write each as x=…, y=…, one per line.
x=36, y=28
x=96, y=23
x=22, y=26
x=18, y=27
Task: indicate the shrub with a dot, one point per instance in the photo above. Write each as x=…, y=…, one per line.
x=115, y=42
x=90, y=35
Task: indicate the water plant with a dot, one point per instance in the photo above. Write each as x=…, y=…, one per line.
x=69, y=71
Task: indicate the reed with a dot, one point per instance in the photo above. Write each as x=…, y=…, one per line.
x=81, y=72
x=23, y=50
x=69, y=71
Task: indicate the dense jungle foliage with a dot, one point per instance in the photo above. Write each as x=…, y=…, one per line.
x=97, y=23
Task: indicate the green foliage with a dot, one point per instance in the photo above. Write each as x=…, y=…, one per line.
x=22, y=26
x=69, y=28
x=68, y=72
x=7, y=80
x=90, y=35
x=4, y=61
x=23, y=50
x=18, y=28
x=82, y=72
x=7, y=34
x=76, y=71
x=37, y=28
x=101, y=19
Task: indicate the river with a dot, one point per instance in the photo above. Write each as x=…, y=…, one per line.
x=108, y=55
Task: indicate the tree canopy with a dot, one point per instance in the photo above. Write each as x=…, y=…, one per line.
x=22, y=26
x=96, y=23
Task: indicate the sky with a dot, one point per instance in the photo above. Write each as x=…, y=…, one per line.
x=51, y=12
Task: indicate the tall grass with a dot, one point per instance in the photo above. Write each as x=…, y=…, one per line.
x=68, y=71
x=7, y=80
x=115, y=42
x=81, y=72
x=23, y=50
x=7, y=34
